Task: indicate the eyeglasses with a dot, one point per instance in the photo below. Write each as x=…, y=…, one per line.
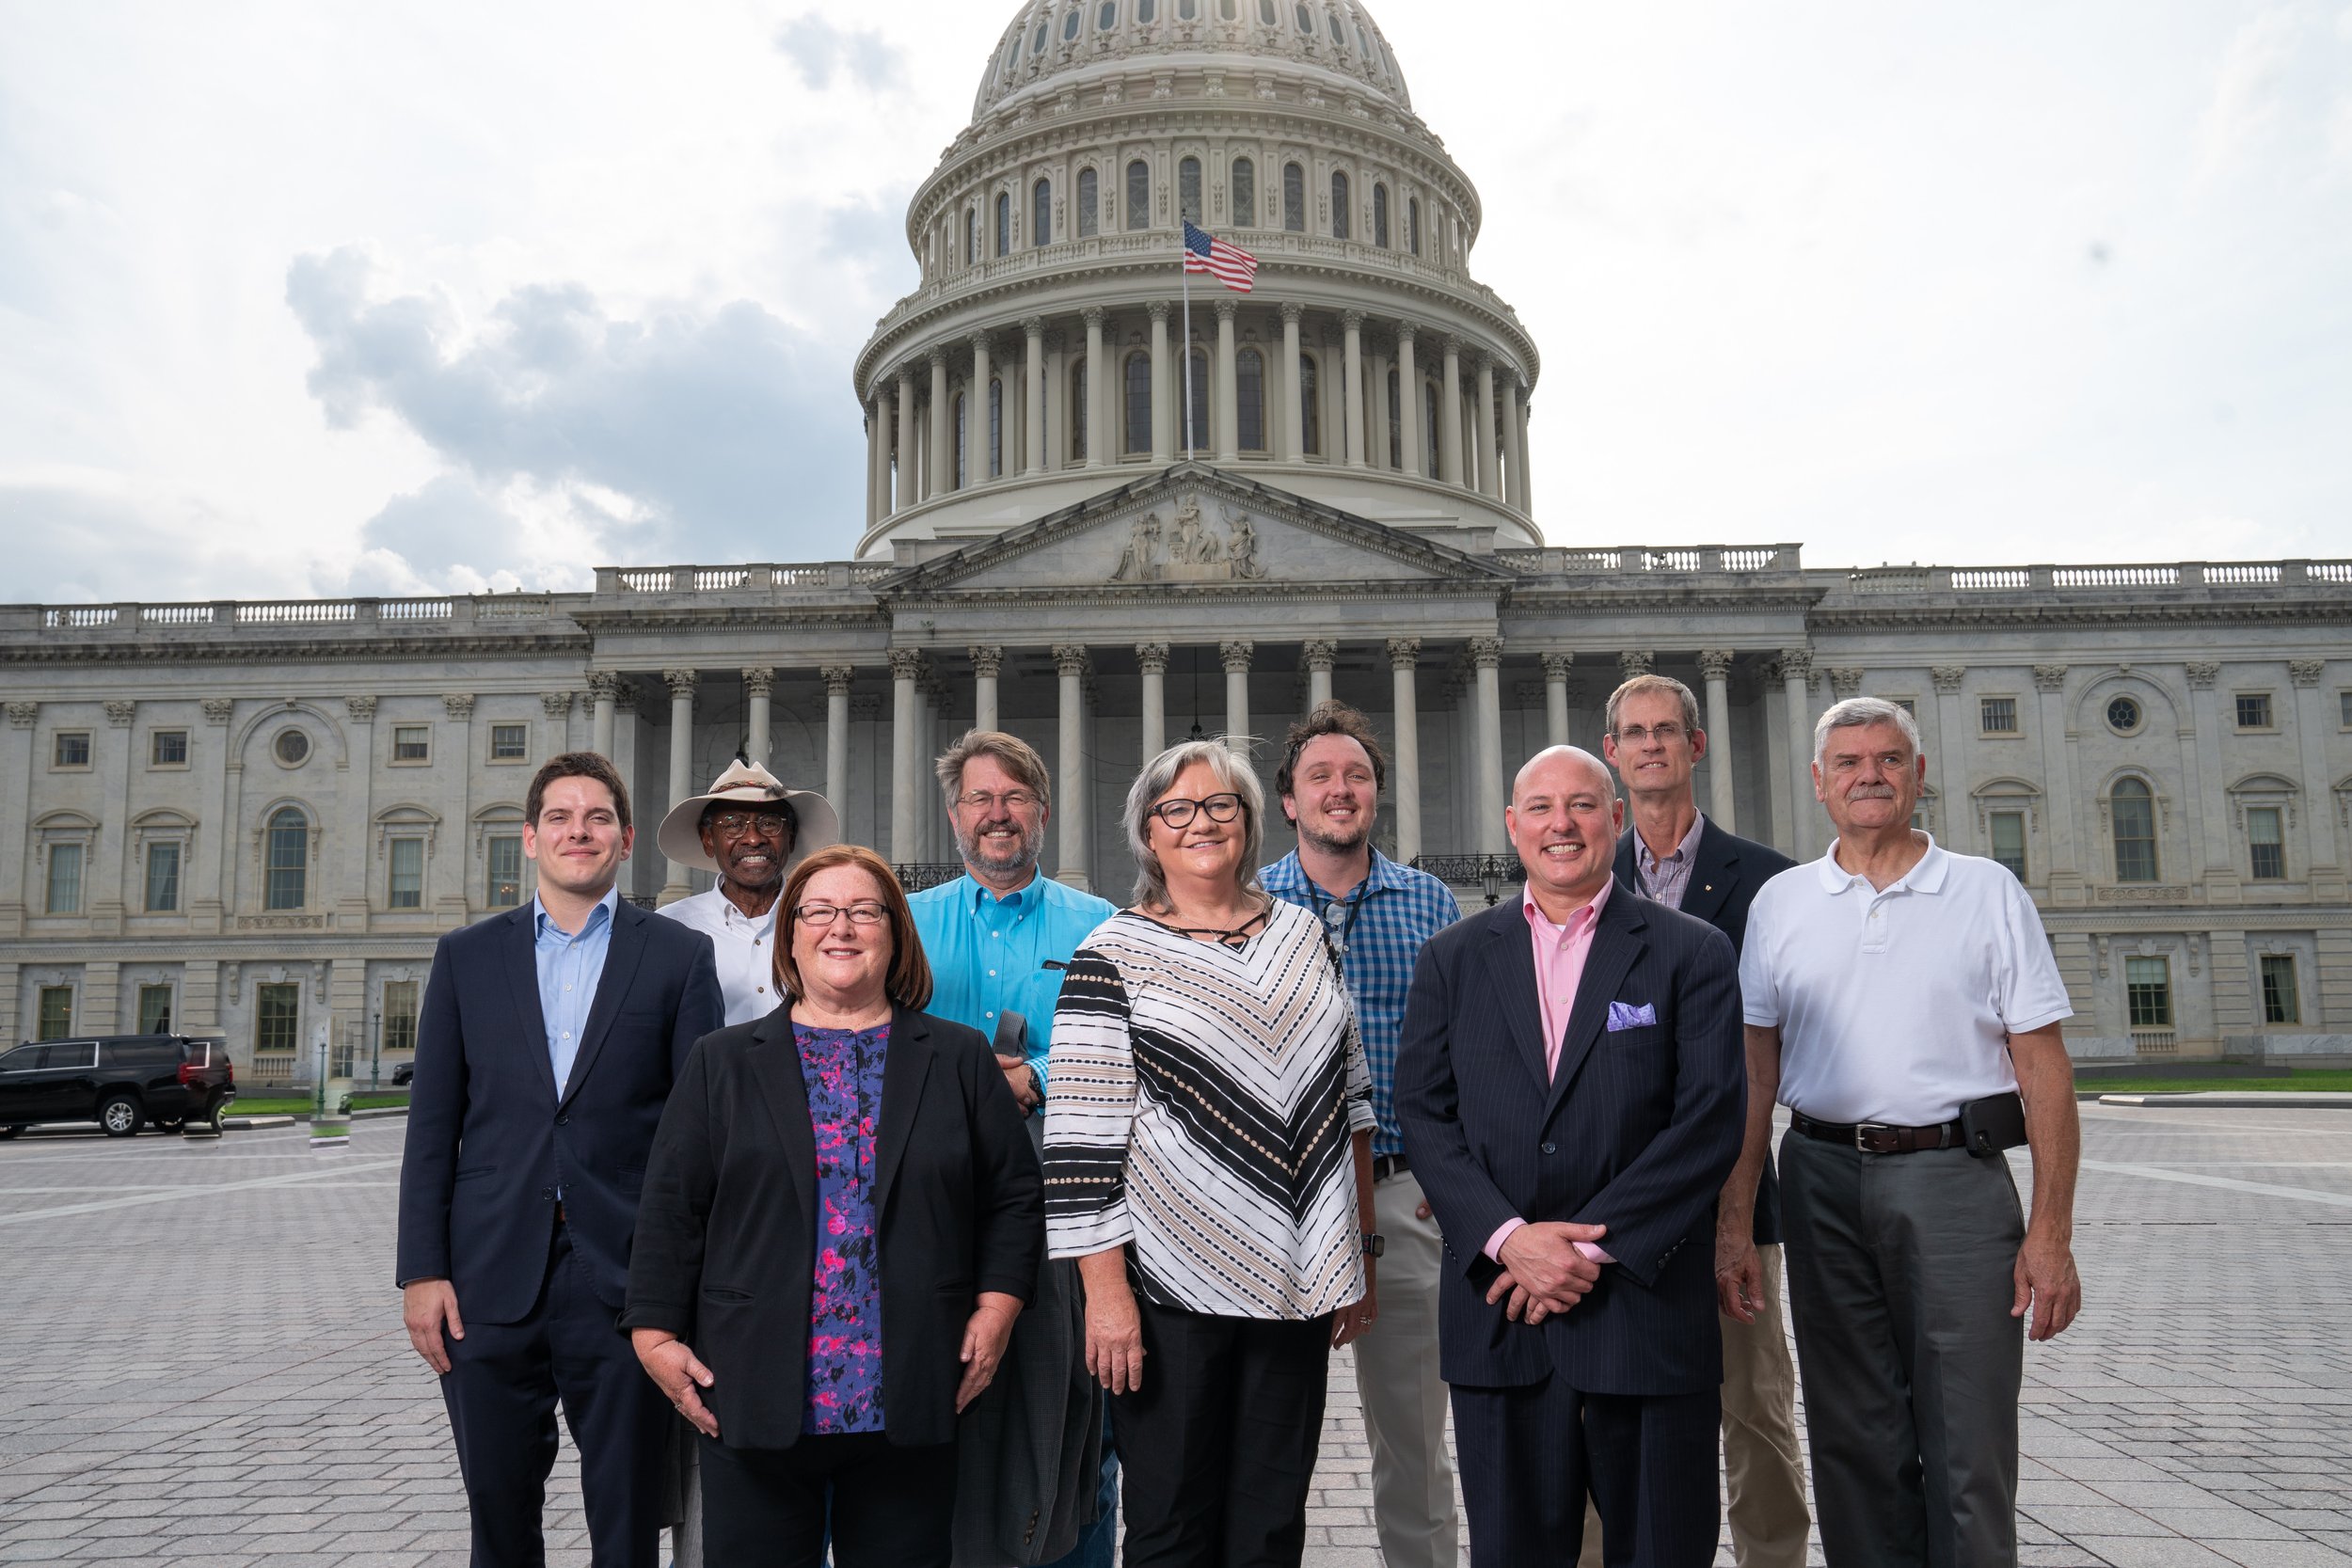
x=1634, y=734
x=1179, y=813
x=735, y=824
x=1012, y=800
x=868, y=914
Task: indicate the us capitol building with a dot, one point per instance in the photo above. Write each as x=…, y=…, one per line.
x=254, y=817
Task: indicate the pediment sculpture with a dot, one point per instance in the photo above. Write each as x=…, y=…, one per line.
x=1191, y=548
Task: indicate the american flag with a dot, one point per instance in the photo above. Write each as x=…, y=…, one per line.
x=1232, y=265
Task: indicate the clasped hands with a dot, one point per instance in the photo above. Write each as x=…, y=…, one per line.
x=1542, y=1273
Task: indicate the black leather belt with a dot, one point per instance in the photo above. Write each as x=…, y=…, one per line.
x=1877, y=1137
x=1386, y=1165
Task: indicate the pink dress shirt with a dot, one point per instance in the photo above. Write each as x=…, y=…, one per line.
x=1560, y=955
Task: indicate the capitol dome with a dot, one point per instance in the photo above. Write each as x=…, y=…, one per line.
x=1043, y=359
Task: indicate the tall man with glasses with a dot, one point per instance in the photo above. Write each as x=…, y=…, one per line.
x=1378, y=915
x=998, y=939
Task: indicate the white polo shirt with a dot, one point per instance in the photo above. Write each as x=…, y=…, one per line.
x=745, y=950
x=1897, y=1007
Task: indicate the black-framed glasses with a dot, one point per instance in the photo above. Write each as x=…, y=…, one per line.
x=735, y=824
x=1667, y=733
x=1179, y=813
x=867, y=913
x=1012, y=800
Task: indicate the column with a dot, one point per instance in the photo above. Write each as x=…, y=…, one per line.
x=1715, y=670
x=1489, y=478
x=905, y=494
x=1486, y=656
x=1321, y=657
x=2313, y=724
x=1235, y=654
x=1515, y=459
x=602, y=686
x=1352, y=386
x=1519, y=454
x=906, y=668
x=1450, y=415
x=975, y=416
x=1408, y=402
x=942, y=476
x=2210, y=815
x=926, y=747
x=1152, y=657
x=1033, y=398
x=1294, y=416
x=874, y=458
x=2057, y=775
x=1403, y=660
x=1796, y=673
x=1097, y=437
x=1013, y=440
x=1070, y=763
x=1225, y=416
x=1377, y=400
x=837, y=677
x=1056, y=400
x=758, y=684
x=1163, y=400
x=987, y=659
x=681, y=685
x=1556, y=667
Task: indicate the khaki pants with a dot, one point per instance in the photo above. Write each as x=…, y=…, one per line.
x=1763, y=1467
x=1404, y=1398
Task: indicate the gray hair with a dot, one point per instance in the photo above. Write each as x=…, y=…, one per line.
x=1856, y=712
x=1012, y=754
x=1641, y=686
x=1158, y=777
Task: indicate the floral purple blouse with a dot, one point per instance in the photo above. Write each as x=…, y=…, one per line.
x=843, y=1069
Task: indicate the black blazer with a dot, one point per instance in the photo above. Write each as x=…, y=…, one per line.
x=727, y=1237
x=490, y=1141
x=1636, y=1132
x=1725, y=875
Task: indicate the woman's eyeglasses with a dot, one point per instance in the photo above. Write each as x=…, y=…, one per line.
x=1179, y=813
x=825, y=914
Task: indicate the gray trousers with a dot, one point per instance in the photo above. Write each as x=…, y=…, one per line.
x=1404, y=1398
x=1901, y=1275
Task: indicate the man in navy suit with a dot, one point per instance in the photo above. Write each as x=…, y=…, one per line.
x=549, y=1038
x=1571, y=1090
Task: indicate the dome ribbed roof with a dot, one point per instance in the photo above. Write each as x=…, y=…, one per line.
x=1052, y=38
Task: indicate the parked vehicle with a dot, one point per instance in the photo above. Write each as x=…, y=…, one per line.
x=404, y=1075
x=120, y=1081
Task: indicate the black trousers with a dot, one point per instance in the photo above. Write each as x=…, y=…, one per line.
x=1219, y=1443
x=1529, y=1455
x=890, y=1507
x=503, y=1384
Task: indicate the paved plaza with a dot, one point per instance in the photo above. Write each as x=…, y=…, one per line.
x=205, y=1362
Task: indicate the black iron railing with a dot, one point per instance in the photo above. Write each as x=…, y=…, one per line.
x=917, y=875
x=1490, y=874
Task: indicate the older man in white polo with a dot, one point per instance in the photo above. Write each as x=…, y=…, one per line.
x=751, y=830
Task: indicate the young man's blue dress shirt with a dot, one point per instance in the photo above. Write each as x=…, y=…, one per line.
x=569, y=968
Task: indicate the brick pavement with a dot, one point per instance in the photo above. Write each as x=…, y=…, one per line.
x=206, y=1366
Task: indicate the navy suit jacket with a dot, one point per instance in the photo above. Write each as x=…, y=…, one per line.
x=1726, y=873
x=491, y=1141
x=1636, y=1131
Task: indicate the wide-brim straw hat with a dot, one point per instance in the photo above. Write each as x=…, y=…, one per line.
x=680, y=836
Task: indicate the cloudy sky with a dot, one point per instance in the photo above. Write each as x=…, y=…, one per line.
x=302, y=298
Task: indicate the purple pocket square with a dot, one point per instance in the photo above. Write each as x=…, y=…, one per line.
x=1625, y=1015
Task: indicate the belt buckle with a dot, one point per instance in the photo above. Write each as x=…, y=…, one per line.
x=1875, y=1137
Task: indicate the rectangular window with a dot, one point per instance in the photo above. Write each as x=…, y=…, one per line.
x=510, y=742
x=412, y=743
x=400, y=1015
x=277, y=1017
x=65, y=878
x=168, y=749
x=2148, y=993
x=2253, y=710
x=2281, y=1004
x=505, y=887
x=71, y=749
x=163, y=878
x=1997, y=715
x=407, y=884
x=155, y=1009
x=2269, y=845
x=1909, y=704
x=2009, y=841
x=56, y=1012
x=2343, y=709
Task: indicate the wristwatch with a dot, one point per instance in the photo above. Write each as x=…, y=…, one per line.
x=1375, y=1245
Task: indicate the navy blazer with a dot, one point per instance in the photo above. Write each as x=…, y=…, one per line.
x=1726, y=873
x=1636, y=1131
x=491, y=1141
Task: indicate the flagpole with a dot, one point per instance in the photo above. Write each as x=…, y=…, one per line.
x=1183, y=272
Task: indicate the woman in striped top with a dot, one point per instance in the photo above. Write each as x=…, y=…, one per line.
x=1208, y=1160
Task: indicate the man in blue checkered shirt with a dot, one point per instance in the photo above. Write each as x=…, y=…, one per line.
x=1379, y=913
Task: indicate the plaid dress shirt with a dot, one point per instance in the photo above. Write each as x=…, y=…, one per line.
x=1379, y=929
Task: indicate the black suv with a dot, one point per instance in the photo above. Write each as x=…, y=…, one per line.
x=120, y=1081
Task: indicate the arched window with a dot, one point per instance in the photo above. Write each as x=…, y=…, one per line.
x=1309, y=408
x=1429, y=428
x=1188, y=190
x=963, y=472
x=1294, y=199
x=1147, y=11
x=1397, y=424
x=1380, y=216
x=1249, y=398
x=1229, y=9
x=1069, y=25
x=1331, y=19
x=2134, y=810
x=1078, y=412
x=1004, y=223
x=1245, y=194
x=286, y=884
x=1041, y=213
x=1107, y=18
x=1266, y=14
x=1138, y=195
x=1037, y=44
x=1412, y=223
x=971, y=236
x=1188, y=9
x=1089, y=196
x=1199, y=398
x=995, y=427
x=1306, y=21
x=1339, y=205
x=1138, y=376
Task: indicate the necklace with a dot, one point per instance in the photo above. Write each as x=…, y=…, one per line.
x=1236, y=937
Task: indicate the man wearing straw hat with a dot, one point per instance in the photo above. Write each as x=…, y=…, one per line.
x=751, y=830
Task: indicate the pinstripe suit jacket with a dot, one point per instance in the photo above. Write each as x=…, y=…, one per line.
x=1636, y=1131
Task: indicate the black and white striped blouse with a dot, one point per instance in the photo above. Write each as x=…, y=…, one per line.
x=1199, y=1108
